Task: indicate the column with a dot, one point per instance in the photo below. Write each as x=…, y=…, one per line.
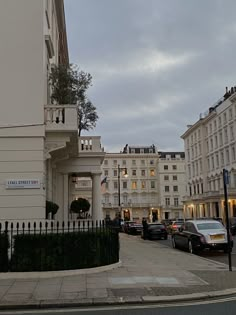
x=49, y=180
x=65, y=197
x=59, y=197
x=96, y=197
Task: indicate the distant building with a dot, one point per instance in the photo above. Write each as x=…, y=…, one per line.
x=172, y=184
x=146, y=192
x=210, y=148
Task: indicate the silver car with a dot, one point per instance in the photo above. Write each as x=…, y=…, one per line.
x=197, y=235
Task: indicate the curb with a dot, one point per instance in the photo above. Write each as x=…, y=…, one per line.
x=61, y=273
x=119, y=301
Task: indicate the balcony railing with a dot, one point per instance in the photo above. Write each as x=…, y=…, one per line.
x=61, y=117
x=90, y=144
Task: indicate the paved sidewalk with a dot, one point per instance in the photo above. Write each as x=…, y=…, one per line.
x=149, y=272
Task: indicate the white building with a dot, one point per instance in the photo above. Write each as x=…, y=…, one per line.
x=210, y=148
x=172, y=188
x=39, y=144
x=143, y=192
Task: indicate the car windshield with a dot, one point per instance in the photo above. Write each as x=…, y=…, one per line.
x=209, y=226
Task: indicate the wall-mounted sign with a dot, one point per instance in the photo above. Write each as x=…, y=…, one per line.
x=22, y=183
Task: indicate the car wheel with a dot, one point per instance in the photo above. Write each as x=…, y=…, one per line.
x=190, y=247
x=174, y=243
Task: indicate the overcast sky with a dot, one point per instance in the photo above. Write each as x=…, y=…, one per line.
x=156, y=64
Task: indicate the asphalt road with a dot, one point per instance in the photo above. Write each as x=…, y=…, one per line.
x=226, y=307
x=214, y=255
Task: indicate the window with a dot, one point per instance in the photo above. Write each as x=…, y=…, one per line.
x=152, y=172
x=141, y=151
x=134, y=172
x=134, y=185
x=105, y=162
x=152, y=184
x=125, y=199
x=151, y=162
x=106, y=199
x=115, y=172
x=227, y=156
x=174, y=167
x=150, y=150
x=123, y=162
x=143, y=184
x=167, y=201
x=174, y=177
x=107, y=185
x=115, y=162
x=231, y=132
x=233, y=154
x=216, y=142
x=166, y=177
x=142, y=162
x=175, y=188
x=115, y=185
x=133, y=162
x=116, y=200
x=225, y=118
x=222, y=158
x=106, y=172
x=143, y=173
x=124, y=185
x=167, y=188
x=176, y=202
x=165, y=167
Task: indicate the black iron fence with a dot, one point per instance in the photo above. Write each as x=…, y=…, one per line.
x=53, y=245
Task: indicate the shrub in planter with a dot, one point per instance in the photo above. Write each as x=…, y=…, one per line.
x=51, y=207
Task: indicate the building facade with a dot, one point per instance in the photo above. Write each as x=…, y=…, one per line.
x=172, y=184
x=210, y=148
x=143, y=192
x=39, y=143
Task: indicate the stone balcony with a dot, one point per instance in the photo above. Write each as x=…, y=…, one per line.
x=90, y=145
x=61, y=118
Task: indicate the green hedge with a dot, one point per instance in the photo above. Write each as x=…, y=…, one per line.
x=77, y=250
x=4, y=245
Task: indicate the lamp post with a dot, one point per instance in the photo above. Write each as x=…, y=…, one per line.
x=126, y=175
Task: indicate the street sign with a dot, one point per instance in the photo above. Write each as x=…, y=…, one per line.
x=226, y=176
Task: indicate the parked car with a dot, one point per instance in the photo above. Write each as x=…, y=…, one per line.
x=197, y=235
x=174, y=226
x=155, y=231
x=166, y=222
x=232, y=225
x=132, y=227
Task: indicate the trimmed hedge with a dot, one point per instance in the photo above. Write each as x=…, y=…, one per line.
x=4, y=245
x=72, y=250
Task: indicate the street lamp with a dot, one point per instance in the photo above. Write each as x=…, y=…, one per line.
x=125, y=175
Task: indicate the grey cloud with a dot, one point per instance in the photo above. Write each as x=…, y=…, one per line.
x=155, y=64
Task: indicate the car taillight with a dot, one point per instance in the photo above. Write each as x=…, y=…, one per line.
x=174, y=226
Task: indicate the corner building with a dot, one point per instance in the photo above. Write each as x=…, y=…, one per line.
x=210, y=148
x=39, y=144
